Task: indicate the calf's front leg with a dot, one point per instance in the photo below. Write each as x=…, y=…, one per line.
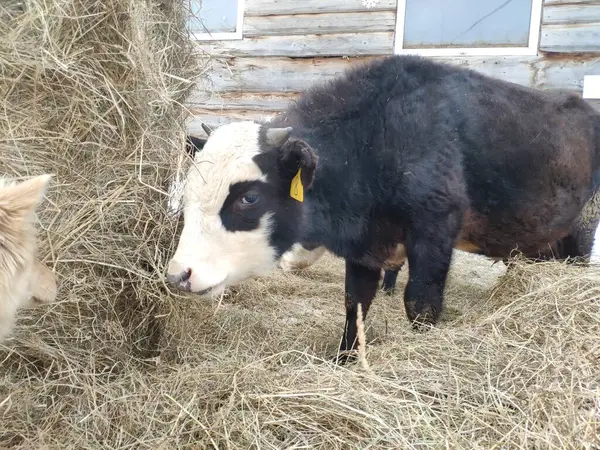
x=361, y=288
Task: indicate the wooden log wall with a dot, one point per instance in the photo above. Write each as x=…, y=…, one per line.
x=289, y=45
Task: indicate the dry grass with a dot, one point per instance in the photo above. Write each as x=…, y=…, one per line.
x=91, y=91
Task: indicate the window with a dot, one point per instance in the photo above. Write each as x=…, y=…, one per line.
x=212, y=20
x=468, y=27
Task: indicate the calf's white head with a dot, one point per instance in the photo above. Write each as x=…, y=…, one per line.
x=240, y=214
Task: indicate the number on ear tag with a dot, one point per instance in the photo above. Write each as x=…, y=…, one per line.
x=296, y=189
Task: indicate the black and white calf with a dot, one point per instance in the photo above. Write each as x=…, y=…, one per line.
x=403, y=158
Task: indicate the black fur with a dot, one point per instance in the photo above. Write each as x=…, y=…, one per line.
x=236, y=216
x=429, y=154
x=281, y=165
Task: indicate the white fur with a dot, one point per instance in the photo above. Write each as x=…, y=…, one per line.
x=298, y=258
x=217, y=257
x=175, y=197
x=595, y=254
x=24, y=281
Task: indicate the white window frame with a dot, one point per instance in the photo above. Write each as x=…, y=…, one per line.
x=227, y=36
x=530, y=50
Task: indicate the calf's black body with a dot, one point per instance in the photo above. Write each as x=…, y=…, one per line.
x=434, y=157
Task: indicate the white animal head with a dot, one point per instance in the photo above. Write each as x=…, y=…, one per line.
x=239, y=215
x=24, y=281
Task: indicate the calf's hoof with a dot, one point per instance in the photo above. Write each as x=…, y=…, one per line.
x=388, y=290
x=421, y=317
x=344, y=358
x=422, y=324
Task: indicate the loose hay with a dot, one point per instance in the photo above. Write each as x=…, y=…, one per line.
x=91, y=91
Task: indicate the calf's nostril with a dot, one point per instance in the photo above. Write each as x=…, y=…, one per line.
x=179, y=277
x=186, y=275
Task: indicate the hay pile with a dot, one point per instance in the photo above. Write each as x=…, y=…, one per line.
x=91, y=91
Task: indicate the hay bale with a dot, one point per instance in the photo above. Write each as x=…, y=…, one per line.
x=91, y=91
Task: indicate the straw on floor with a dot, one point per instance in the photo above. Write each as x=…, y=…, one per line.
x=93, y=92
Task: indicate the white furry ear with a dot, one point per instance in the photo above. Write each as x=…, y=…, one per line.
x=25, y=196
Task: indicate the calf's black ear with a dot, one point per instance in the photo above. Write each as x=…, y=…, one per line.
x=297, y=160
x=194, y=145
x=296, y=156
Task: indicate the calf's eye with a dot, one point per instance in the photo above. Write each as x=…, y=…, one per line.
x=250, y=199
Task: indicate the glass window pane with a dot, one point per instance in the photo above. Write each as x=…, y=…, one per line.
x=466, y=23
x=214, y=16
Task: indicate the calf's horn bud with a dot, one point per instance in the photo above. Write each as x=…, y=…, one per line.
x=276, y=137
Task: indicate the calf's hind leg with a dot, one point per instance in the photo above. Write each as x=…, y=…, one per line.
x=389, y=281
x=429, y=248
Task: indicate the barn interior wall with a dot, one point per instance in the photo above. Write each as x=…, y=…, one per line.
x=289, y=45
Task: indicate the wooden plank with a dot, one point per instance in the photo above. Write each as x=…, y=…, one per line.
x=595, y=104
x=215, y=119
x=570, y=38
x=565, y=2
x=284, y=75
x=271, y=101
x=516, y=69
x=566, y=73
x=328, y=23
x=271, y=7
x=350, y=44
x=563, y=14
x=272, y=75
x=259, y=85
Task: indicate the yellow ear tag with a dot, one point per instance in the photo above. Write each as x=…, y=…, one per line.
x=296, y=189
